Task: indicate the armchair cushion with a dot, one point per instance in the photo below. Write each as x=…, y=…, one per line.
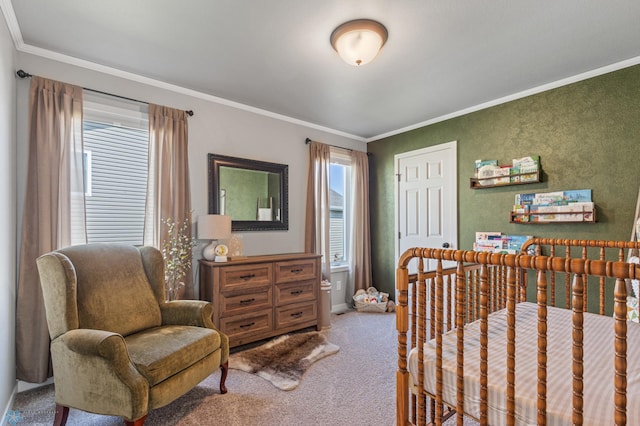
x=161, y=352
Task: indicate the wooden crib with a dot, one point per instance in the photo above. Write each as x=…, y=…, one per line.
x=490, y=354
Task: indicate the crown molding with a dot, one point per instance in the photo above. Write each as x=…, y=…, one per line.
x=177, y=89
x=553, y=85
x=12, y=23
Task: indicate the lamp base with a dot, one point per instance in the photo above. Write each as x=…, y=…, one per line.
x=209, y=252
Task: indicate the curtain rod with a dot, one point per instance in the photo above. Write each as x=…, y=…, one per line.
x=307, y=141
x=24, y=74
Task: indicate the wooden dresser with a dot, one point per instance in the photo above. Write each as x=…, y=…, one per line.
x=262, y=296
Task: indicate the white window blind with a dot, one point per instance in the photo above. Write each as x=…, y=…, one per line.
x=116, y=134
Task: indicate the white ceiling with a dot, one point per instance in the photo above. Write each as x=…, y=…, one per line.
x=442, y=57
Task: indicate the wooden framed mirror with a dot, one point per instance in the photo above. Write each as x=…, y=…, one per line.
x=254, y=193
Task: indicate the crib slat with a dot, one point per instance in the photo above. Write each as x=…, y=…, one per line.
x=578, y=349
x=450, y=308
x=492, y=290
x=602, y=282
x=484, y=341
x=432, y=332
x=460, y=315
x=584, y=277
x=474, y=286
x=503, y=287
x=542, y=347
x=620, y=345
x=522, y=284
x=413, y=333
x=432, y=307
x=421, y=337
x=439, y=322
x=402, y=375
x=553, y=282
x=567, y=280
x=511, y=346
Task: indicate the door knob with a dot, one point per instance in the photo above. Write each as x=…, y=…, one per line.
x=445, y=245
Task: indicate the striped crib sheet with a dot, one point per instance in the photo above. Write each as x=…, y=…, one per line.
x=598, y=368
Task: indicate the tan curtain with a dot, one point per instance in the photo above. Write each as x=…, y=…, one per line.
x=168, y=191
x=360, y=254
x=54, y=200
x=317, y=216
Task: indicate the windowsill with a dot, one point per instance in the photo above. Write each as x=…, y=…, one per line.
x=340, y=268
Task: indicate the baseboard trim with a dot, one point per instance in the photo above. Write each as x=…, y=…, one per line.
x=25, y=386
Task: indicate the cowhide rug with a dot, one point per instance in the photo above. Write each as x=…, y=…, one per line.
x=284, y=360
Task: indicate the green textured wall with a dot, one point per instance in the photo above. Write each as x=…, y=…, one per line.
x=587, y=135
x=243, y=189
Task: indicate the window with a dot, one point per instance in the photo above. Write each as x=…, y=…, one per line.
x=82, y=187
x=116, y=151
x=339, y=199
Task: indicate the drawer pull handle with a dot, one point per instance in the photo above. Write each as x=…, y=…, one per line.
x=297, y=314
x=247, y=301
x=297, y=271
x=297, y=292
x=251, y=324
x=247, y=277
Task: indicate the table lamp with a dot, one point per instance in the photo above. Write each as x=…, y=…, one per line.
x=214, y=227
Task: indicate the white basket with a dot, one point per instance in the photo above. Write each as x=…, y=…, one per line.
x=370, y=300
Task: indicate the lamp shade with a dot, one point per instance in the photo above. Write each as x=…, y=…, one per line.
x=214, y=227
x=359, y=41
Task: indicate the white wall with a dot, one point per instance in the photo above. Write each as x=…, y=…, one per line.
x=7, y=218
x=214, y=128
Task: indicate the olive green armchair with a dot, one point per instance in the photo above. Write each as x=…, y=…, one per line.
x=118, y=347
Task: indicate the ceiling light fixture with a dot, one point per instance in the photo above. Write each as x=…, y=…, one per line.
x=359, y=41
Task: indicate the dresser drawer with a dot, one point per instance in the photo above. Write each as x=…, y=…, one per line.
x=244, y=302
x=296, y=270
x=242, y=277
x=295, y=292
x=243, y=328
x=298, y=313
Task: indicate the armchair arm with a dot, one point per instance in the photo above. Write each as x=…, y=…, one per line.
x=187, y=312
x=103, y=344
x=193, y=312
x=106, y=369
x=95, y=343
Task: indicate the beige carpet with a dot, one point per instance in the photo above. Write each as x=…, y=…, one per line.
x=355, y=386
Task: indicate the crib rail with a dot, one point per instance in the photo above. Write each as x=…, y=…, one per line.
x=583, y=249
x=481, y=283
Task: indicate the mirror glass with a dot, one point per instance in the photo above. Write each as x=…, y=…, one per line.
x=254, y=193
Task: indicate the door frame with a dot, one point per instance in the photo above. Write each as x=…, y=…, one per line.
x=453, y=145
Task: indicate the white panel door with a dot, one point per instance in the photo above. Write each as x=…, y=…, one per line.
x=426, y=199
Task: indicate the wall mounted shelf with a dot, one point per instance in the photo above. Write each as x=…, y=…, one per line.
x=507, y=180
x=535, y=218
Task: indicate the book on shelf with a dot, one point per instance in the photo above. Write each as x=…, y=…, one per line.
x=556, y=198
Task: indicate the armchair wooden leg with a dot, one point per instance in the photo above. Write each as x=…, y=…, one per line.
x=225, y=369
x=138, y=422
x=62, y=413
